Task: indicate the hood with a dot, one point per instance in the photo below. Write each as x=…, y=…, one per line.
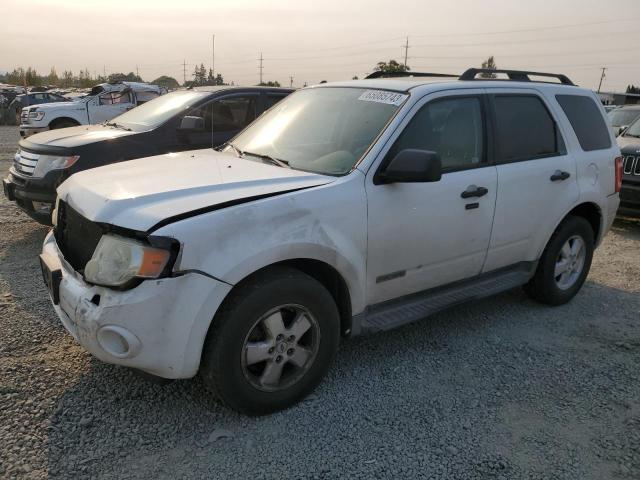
x=73, y=136
x=139, y=194
x=629, y=145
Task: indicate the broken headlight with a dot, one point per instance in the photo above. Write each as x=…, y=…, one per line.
x=117, y=261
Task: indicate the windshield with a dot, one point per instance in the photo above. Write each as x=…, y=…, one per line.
x=621, y=118
x=322, y=130
x=155, y=112
x=633, y=130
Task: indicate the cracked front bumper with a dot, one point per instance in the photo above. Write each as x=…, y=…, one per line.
x=158, y=326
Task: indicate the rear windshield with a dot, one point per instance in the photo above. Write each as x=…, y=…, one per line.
x=587, y=121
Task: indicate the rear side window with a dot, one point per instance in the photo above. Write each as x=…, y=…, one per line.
x=525, y=129
x=586, y=120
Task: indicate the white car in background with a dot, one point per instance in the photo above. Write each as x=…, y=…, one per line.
x=346, y=208
x=104, y=102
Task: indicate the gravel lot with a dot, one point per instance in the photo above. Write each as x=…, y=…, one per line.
x=498, y=389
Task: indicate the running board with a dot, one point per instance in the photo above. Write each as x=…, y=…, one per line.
x=397, y=312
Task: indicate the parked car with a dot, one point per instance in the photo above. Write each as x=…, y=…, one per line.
x=629, y=143
x=181, y=120
x=348, y=208
x=33, y=98
x=622, y=117
x=104, y=102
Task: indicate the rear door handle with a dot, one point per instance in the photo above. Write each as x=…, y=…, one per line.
x=473, y=191
x=559, y=175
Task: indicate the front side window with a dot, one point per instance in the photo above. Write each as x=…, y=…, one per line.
x=452, y=128
x=105, y=99
x=234, y=113
x=524, y=129
x=324, y=130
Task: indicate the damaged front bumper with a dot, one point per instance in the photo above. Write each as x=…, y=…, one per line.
x=158, y=327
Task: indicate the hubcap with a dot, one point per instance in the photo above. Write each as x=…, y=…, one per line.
x=280, y=347
x=570, y=262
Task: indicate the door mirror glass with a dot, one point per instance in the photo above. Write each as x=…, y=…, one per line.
x=192, y=124
x=411, y=165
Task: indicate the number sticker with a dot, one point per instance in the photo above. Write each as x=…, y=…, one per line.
x=380, y=96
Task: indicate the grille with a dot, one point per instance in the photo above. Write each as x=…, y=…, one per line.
x=25, y=162
x=631, y=165
x=24, y=116
x=76, y=236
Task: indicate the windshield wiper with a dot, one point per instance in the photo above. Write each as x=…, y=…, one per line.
x=117, y=125
x=269, y=158
x=630, y=135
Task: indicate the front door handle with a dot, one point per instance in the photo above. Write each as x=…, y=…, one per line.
x=473, y=191
x=559, y=175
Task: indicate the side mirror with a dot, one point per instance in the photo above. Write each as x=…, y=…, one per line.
x=191, y=123
x=410, y=166
x=621, y=131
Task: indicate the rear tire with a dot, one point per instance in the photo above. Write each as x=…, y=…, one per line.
x=564, y=264
x=272, y=342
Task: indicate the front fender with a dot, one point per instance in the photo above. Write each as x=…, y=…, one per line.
x=326, y=223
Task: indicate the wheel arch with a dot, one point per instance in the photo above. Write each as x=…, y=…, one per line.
x=324, y=273
x=56, y=121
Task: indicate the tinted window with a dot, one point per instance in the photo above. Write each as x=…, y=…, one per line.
x=235, y=113
x=586, y=120
x=272, y=99
x=451, y=127
x=525, y=129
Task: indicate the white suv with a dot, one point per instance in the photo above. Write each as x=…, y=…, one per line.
x=347, y=208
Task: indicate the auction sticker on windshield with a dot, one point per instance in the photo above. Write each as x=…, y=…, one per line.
x=380, y=96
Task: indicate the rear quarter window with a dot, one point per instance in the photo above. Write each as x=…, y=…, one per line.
x=586, y=120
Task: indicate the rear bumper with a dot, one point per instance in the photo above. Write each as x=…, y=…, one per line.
x=630, y=199
x=158, y=327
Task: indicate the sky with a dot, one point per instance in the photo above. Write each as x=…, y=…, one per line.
x=323, y=40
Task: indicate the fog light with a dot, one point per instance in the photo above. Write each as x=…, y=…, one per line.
x=118, y=342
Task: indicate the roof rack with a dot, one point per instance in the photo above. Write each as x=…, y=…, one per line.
x=513, y=75
x=381, y=74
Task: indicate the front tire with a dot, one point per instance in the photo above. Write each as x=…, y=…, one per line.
x=564, y=264
x=272, y=342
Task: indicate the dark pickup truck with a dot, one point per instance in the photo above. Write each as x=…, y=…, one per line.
x=203, y=117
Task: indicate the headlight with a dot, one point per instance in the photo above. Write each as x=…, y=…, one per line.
x=118, y=260
x=36, y=115
x=46, y=163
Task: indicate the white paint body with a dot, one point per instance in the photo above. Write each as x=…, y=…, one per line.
x=360, y=229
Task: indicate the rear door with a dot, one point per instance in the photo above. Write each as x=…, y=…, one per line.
x=537, y=177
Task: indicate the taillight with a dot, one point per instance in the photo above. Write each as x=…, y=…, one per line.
x=618, y=174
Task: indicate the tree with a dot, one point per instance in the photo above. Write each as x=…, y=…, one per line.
x=489, y=64
x=269, y=84
x=121, y=77
x=52, y=79
x=633, y=89
x=391, y=67
x=166, y=81
x=67, y=78
x=355, y=77
x=219, y=80
x=32, y=77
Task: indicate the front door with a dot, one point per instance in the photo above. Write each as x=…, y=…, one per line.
x=109, y=105
x=423, y=235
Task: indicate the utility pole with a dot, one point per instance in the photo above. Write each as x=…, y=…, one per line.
x=184, y=71
x=601, y=78
x=290, y=81
x=406, y=51
x=260, y=68
x=213, y=56
x=137, y=73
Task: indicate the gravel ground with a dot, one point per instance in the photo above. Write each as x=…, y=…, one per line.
x=498, y=389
